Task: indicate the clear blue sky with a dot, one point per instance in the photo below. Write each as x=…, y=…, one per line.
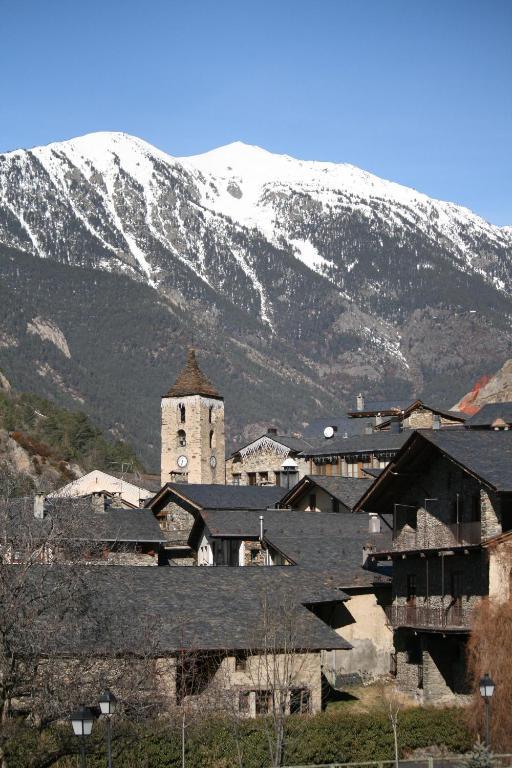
x=418, y=91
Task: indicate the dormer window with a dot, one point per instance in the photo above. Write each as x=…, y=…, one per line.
x=182, y=411
x=182, y=438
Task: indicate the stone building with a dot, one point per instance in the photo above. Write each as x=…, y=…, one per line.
x=271, y=459
x=351, y=456
x=241, y=641
x=450, y=496
x=335, y=546
x=316, y=493
x=130, y=490
x=193, y=443
x=176, y=506
x=92, y=529
x=409, y=414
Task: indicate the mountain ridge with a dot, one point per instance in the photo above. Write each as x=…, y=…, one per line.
x=342, y=287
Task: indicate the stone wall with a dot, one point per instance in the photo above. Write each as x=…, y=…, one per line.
x=265, y=464
x=430, y=522
x=176, y=523
x=500, y=571
x=203, y=430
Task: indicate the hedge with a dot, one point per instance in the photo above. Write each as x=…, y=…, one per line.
x=324, y=738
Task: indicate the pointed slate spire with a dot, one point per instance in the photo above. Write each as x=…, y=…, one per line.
x=192, y=381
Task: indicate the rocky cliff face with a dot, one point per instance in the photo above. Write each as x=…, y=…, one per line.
x=496, y=388
x=310, y=279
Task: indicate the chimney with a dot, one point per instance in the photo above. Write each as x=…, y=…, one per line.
x=272, y=431
x=368, y=430
x=395, y=425
x=368, y=549
x=360, y=402
x=373, y=522
x=39, y=500
x=379, y=418
x=98, y=501
x=261, y=527
x=436, y=421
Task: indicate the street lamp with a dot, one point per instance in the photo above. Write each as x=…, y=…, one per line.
x=487, y=687
x=82, y=721
x=108, y=703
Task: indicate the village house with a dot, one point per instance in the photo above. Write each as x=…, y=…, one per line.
x=127, y=488
x=450, y=497
x=410, y=415
x=335, y=546
x=90, y=529
x=319, y=493
x=176, y=505
x=271, y=459
x=351, y=456
x=235, y=640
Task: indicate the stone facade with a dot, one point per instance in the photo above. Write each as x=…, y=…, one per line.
x=424, y=418
x=261, y=463
x=193, y=441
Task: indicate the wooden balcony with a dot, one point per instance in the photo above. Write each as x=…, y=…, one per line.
x=425, y=617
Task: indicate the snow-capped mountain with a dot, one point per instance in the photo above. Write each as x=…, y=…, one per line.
x=369, y=282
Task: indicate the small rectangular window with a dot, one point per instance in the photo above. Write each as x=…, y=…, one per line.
x=251, y=478
x=241, y=661
x=263, y=702
x=335, y=506
x=312, y=501
x=411, y=587
x=244, y=702
x=300, y=701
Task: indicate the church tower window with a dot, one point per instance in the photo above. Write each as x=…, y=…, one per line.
x=212, y=439
x=210, y=414
x=182, y=412
x=182, y=438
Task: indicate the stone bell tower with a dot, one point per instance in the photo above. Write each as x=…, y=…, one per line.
x=193, y=445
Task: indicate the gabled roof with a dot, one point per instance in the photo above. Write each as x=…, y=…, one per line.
x=293, y=444
x=192, y=381
x=208, y=496
x=347, y=490
x=377, y=441
x=315, y=541
x=201, y=609
x=489, y=413
x=485, y=454
x=77, y=519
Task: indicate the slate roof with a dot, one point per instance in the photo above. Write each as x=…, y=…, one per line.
x=318, y=542
x=489, y=413
x=164, y=610
x=77, y=519
x=371, y=472
x=377, y=441
x=192, y=381
x=383, y=406
x=343, y=425
x=204, y=496
x=485, y=453
x=347, y=490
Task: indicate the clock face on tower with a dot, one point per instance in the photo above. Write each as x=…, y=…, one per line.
x=182, y=461
x=213, y=462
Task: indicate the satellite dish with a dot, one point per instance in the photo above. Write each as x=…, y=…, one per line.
x=328, y=432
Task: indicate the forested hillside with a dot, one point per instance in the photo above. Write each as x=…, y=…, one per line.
x=43, y=445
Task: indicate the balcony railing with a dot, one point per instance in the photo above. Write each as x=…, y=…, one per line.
x=426, y=617
x=440, y=535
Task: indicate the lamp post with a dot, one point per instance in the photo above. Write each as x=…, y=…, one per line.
x=82, y=721
x=487, y=687
x=107, y=703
